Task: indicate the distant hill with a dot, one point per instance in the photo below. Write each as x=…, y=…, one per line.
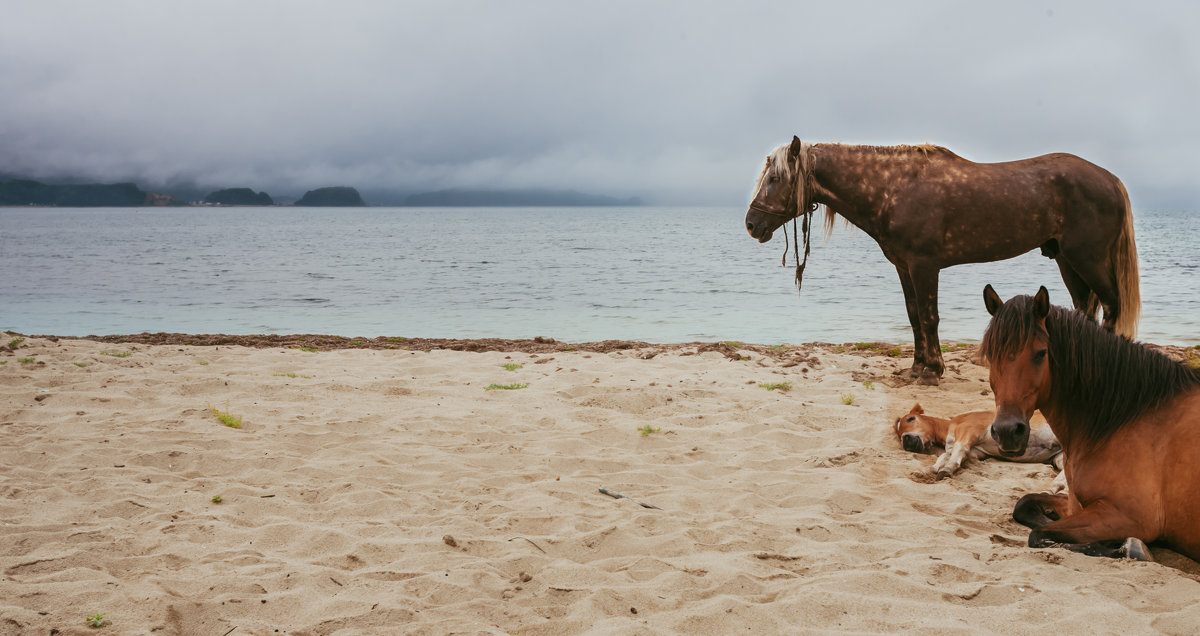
x=238, y=196
x=336, y=196
x=509, y=198
x=28, y=192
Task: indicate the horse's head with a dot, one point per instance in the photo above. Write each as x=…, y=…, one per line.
x=775, y=199
x=916, y=434
x=1015, y=345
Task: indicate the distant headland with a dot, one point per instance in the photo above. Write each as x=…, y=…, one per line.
x=27, y=192
x=336, y=196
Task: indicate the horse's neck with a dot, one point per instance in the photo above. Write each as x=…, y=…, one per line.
x=856, y=182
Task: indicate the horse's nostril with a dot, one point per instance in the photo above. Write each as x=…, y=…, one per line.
x=750, y=225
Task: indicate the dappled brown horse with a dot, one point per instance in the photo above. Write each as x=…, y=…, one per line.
x=930, y=209
x=1128, y=419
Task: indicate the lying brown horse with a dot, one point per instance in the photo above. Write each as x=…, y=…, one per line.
x=1128, y=419
x=969, y=435
x=930, y=209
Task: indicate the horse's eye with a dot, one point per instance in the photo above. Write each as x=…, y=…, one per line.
x=911, y=419
x=772, y=179
x=1038, y=356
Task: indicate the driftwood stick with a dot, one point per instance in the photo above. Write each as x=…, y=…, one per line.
x=617, y=495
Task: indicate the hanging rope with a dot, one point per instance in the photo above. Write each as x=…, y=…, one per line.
x=805, y=210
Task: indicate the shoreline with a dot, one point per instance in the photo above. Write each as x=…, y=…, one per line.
x=434, y=489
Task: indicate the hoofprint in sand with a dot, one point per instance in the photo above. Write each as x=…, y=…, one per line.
x=389, y=491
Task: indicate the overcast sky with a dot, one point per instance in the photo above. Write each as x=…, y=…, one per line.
x=676, y=102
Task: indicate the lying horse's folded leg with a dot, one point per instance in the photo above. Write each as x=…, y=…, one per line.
x=1038, y=509
x=1099, y=529
x=1129, y=548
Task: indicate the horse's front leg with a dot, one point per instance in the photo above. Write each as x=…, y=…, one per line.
x=910, y=304
x=1099, y=529
x=925, y=295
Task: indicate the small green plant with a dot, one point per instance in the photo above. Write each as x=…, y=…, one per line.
x=97, y=620
x=893, y=353
x=227, y=418
x=869, y=385
x=860, y=346
x=80, y=364
x=647, y=430
x=782, y=386
x=217, y=499
x=779, y=346
x=504, y=387
x=3, y=362
x=15, y=342
x=203, y=363
x=847, y=399
x=569, y=348
x=308, y=349
x=397, y=340
x=513, y=366
x=26, y=360
x=733, y=343
x=285, y=375
x=124, y=354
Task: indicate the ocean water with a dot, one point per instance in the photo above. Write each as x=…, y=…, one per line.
x=660, y=274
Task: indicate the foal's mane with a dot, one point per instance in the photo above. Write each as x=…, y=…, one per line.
x=1100, y=381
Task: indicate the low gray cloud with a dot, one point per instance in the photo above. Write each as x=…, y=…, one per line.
x=672, y=102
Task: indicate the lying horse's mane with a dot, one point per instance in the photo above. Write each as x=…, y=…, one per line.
x=1100, y=380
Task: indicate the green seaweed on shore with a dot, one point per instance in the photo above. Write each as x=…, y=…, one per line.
x=80, y=364
x=782, y=386
x=504, y=387
x=15, y=342
x=227, y=418
x=647, y=430
x=733, y=343
x=123, y=354
x=308, y=349
x=26, y=360
x=396, y=339
x=512, y=366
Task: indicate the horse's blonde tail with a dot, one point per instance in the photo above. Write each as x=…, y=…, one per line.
x=1125, y=266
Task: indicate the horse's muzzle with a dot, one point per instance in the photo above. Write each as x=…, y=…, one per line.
x=913, y=442
x=1011, y=432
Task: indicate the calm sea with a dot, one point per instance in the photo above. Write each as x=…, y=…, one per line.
x=660, y=274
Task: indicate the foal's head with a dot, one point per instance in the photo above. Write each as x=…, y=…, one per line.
x=775, y=196
x=916, y=434
x=1015, y=345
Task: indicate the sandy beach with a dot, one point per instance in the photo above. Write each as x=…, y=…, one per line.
x=385, y=487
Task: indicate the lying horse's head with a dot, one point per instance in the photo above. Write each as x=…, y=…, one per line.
x=1015, y=345
x=916, y=433
x=778, y=192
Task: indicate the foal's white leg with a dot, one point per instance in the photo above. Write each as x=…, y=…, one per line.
x=956, y=455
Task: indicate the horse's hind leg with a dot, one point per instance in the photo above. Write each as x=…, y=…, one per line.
x=1081, y=294
x=1093, y=271
x=1038, y=509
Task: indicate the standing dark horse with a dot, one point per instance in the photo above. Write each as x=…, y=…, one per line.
x=1127, y=418
x=930, y=209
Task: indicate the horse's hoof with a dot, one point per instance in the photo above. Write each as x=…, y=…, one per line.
x=1136, y=549
x=927, y=379
x=943, y=474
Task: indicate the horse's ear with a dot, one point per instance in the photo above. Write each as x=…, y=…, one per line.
x=917, y=408
x=1041, y=302
x=797, y=146
x=991, y=300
